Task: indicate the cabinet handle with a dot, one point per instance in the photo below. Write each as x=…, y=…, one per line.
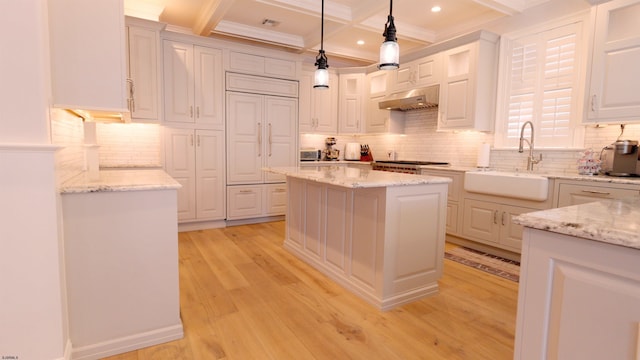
x=246, y=191
x=259, y=139
x=198, y=112
x=593, y=102
x=270, y=142
x=502, y=220
x=495, y=217
x=596, y=192
x=131, y=100
x=191, y=111
x=280, y=190
x=198, y=141
x=191, y=139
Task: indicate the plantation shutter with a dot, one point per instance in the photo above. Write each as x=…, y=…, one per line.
x=542, y=87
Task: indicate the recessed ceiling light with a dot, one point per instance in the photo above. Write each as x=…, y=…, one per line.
x=360, y=42
x=436, y=9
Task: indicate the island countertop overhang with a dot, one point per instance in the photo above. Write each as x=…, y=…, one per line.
x=356, y=177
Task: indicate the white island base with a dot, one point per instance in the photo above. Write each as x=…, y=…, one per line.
x=385, y=243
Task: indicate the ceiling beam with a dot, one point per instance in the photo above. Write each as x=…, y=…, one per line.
x=211, y=13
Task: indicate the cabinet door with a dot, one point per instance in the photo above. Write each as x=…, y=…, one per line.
x=280, y=135
x=614, y=90
x=210, y=184
x=245, y=138
x=481, y=220
x=428, y=70
x=306, y=115
x=178, y=82
x=209, y=96
x=351, y=105
x=325, y=107
x=88, y=55
x=143, y=73
x=180, y=163
x=457, y=97
x=510, y=232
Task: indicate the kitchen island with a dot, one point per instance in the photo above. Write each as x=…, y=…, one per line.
x=121, y=261
x=580, y=282
x=379, y=234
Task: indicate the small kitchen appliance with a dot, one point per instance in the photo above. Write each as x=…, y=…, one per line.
x=310, y=155
x=330, y=154
x=352, y=151
x=620, y=158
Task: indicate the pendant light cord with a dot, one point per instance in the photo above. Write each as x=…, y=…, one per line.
x=322, y=29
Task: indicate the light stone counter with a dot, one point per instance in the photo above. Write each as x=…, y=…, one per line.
x=356, y=177
x=120, y=180
x=614, y=222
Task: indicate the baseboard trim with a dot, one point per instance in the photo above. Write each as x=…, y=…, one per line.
x=128, y=343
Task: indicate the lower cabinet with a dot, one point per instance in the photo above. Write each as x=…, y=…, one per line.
x=580, y=192
x=578, y=299
x=195, y=158
x=453, y=197
x=491, y=223
x=254, y=201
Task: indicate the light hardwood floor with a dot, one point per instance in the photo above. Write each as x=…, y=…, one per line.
x=244, y=297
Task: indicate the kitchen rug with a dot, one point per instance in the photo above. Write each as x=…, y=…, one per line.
x=492, y=264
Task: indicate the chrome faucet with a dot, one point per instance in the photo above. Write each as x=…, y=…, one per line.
x=531, y=160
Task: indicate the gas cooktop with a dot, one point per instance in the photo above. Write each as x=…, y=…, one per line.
x=412, y=162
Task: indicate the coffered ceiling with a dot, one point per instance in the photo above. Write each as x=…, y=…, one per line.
x=296, y=24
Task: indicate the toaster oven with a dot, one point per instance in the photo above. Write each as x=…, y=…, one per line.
x=310, y=155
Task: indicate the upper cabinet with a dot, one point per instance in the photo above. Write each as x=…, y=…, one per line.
x=351, y=107
x=88, y=66
x=193, y=85
x=381, y=120
x=614, y=89
x=318, y=108
x=417, y=73
x=261, y=65
x=143, y=59
x=468, y=88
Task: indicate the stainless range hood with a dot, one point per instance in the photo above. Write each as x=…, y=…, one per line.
x=420, y=98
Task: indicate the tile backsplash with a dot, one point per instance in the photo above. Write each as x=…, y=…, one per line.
x=421, y=141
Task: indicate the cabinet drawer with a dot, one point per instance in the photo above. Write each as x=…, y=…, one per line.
x=574, y=194
x=244, y=202
x=276, y=201
x=261, y=85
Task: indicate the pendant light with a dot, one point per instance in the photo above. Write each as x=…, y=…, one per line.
x=389, y=50
x=321, y=78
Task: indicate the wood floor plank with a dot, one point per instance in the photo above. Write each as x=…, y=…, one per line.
x=243, y=296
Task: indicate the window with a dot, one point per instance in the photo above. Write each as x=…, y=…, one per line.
x=541, y=82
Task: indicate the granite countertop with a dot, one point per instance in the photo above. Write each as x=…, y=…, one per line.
x=119, y=180
x=610, y=221
x=356, y=177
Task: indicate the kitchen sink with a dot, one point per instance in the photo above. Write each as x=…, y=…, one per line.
x=509, y=184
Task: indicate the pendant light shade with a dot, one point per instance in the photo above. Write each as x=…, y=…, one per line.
x=321, y=78
x=389, y=50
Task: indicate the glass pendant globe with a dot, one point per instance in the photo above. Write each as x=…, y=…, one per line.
x=321, y=79
x=389, y=55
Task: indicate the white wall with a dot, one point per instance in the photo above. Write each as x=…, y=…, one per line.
x=32, y=302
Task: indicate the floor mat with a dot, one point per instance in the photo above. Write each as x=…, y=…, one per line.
x=492, y=264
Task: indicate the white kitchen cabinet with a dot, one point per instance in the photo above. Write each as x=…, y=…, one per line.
x=351, y=107
x=453, y=198
x=468, y=88
x=381, y=120
x=254, y=201
x=578, y=299
x=614, y=89
x=143, y=55
x=318, y=108
x=261, y=132
x=417, y=73
x=491, y=223
x=88, y=61
x=195, y=158
x=580, y=192
x=193, y=85
x=262, y=65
